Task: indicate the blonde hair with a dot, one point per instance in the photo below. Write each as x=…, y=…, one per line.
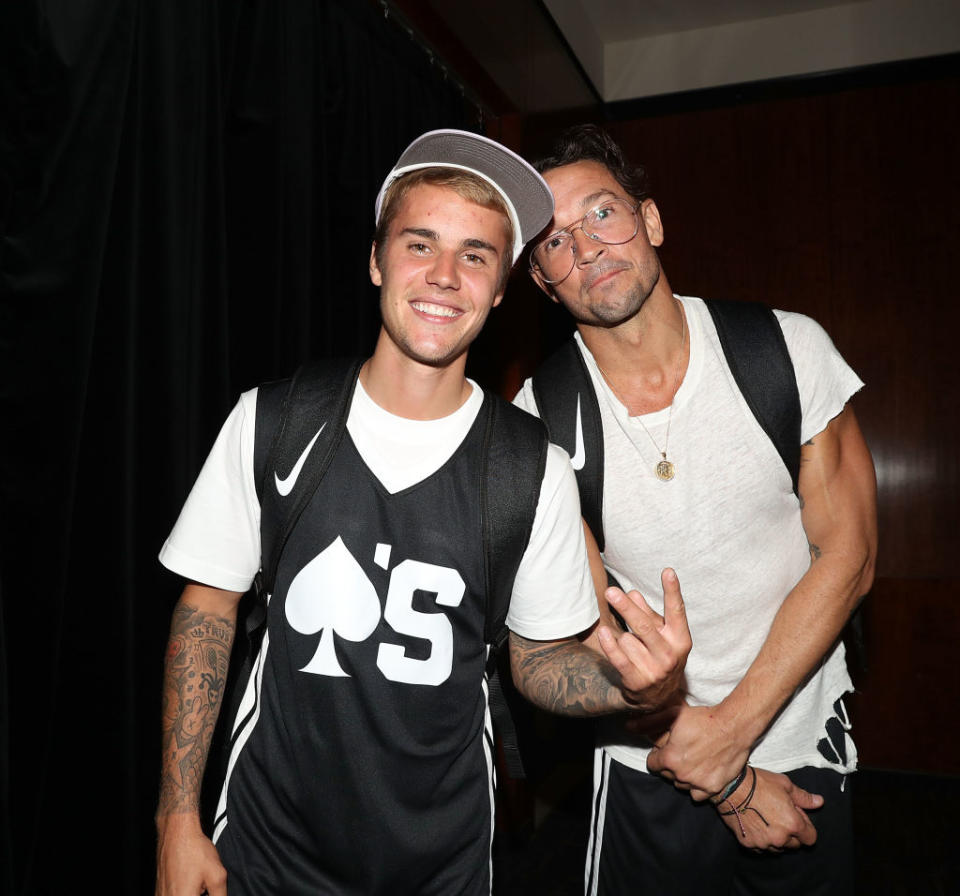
x=466, y=185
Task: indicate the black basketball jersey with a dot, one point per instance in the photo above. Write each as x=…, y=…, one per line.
x=366, y=766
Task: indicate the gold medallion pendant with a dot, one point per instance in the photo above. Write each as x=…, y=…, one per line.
x=665, y=470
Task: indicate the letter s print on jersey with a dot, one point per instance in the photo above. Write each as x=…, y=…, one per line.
x=408, y=578
x=332, y=595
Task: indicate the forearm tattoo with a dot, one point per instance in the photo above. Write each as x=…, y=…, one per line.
x=568, y=678
x=198, y=655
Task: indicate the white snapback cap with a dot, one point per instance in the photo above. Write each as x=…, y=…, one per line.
x=525, y=192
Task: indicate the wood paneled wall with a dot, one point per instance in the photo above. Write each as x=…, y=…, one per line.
x=844, y=205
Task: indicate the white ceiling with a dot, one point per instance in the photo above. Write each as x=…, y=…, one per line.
x=615, y=20
x=554, y=54
x=637, y=49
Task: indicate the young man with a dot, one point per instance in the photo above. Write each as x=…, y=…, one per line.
x=689, y=478
x=363, y=763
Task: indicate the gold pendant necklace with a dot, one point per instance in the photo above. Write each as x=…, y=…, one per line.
x=665, y=470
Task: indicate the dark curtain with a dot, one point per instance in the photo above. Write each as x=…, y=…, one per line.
x=186, y=208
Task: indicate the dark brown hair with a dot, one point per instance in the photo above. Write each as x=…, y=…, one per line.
x=589, y=143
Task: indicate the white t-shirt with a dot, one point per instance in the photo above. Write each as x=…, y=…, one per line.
x=729, y=523
x=216, y=539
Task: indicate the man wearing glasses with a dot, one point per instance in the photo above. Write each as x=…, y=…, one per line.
x=770, y=576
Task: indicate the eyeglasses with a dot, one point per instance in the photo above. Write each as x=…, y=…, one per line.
x=613, y=222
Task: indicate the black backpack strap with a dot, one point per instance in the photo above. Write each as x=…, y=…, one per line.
x=312, y=422
x=272, y=402
x=567, y=403
x=514, y=459
x=757, y=355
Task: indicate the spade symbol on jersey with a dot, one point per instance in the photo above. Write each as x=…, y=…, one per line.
x=332, y=594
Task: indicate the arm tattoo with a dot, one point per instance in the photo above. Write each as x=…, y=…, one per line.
x=198, y=655
x=567, y=678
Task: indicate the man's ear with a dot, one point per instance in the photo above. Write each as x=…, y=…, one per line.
x=650, y=215
x=375, y=275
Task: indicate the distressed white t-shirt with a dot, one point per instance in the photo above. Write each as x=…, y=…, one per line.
x=728, y=523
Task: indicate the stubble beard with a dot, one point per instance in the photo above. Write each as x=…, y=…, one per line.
x=439, y=359
x=626, y=305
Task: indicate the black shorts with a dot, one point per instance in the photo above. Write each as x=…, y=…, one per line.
x=647, y=837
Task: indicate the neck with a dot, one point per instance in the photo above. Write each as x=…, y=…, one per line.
x=410, y=389
x=643, y=359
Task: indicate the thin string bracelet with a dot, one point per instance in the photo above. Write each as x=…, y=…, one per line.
x=728, y=791
x=746, y=807
x=731, y=788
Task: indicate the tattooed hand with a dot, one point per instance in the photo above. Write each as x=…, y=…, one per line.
x=641, y=669
x=651, y=656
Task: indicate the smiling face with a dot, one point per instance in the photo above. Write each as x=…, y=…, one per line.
x=608, y=283
x=438, y=273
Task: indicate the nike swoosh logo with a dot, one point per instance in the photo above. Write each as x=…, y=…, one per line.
x=579, y=455
x=285, y=486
